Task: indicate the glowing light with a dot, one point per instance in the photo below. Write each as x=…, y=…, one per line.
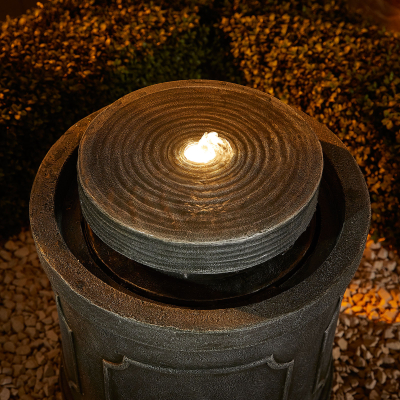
x=207, y=148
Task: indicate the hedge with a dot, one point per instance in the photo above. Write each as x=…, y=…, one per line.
x=343, y=72
x=65, y=59
x=68, y=58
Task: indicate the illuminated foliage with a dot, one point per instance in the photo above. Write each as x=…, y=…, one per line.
x=344, y=72
x=68, y=58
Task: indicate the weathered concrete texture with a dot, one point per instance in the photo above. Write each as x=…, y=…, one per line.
x=143, y=199
x=120, y=345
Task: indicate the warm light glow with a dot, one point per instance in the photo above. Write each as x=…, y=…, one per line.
x=207, y=148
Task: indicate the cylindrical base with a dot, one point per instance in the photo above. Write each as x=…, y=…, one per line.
x=67, y=394
x=163, y=364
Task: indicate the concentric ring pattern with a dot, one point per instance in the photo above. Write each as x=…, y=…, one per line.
x=143, y=198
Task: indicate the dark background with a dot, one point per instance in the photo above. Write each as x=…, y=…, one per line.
x=13, y=8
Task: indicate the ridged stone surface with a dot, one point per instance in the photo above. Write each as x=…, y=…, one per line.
x=143, y=198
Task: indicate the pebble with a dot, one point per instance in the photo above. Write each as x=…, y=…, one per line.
x=23, y=350
x=336, y=353
x=374, y=395
x=385, y=297
x=5, y=255
x=370, y=384
x=393, y=345
x=381, y=376
x=41, y=314
x=4, y=314
x=374, y=246
x=40, y=358
x=377, y=265
x=388, y=333
x=22, y=252
x=9, y=304
x=382, y=253
x=29, y=322
x=342, y=344
x=31, y=331
x=388, y=359
x=20, y=282
x=9, y=347
x=360, y=362
x=31, y=363
x=7, y=370
x=10, y=245
x=52, y=335
x=4, y=393
x=17, y=323
x=389, y=315
x=18, y=369
x=48, y=321
x=48, y=371
x=5, y=380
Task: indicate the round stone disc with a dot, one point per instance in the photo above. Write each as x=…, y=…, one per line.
x=144, y=199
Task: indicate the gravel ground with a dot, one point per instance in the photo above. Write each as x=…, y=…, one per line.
x=366, y=350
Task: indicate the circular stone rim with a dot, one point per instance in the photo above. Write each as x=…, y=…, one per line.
x=201, y=257
x=68, y=275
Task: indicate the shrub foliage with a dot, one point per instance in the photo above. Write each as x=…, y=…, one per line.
x=68, y=58
x=346, y=74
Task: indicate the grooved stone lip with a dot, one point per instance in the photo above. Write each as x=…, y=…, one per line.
x=67, y=274
x=137, y=198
